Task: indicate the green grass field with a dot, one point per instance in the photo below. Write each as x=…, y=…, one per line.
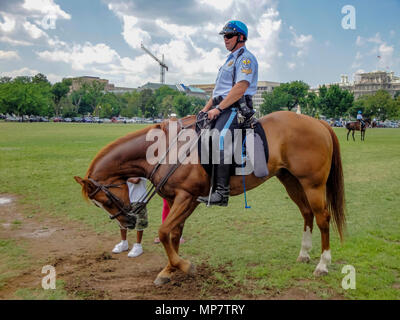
x=258, y=245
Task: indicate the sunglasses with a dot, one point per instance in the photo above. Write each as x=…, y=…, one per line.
x=229, y=35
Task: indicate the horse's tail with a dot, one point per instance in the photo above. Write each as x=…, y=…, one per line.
x=335, y=187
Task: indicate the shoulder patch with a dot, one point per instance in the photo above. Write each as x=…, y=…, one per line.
x=247, y=71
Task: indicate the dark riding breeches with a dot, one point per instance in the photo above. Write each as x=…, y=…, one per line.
x=226, y=122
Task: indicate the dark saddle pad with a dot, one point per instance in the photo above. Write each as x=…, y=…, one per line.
x=256, y=160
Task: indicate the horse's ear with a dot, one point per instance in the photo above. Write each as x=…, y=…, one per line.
x=89, y=185
x=79, y=180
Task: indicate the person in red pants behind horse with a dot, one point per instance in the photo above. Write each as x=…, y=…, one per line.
x=165, y=212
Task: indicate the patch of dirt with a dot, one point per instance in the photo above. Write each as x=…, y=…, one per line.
x=83, y=260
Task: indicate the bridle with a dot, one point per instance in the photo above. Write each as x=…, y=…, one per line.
x=123, y=209
x=130, y=211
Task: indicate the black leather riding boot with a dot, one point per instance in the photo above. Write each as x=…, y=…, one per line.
x=220, y=196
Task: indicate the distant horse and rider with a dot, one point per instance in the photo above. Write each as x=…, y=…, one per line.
x=359, y=125
x=304, y=154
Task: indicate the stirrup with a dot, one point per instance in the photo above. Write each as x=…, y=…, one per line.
x=209, y=200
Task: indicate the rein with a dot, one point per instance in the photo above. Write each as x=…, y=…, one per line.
x=132, y=210
x=150, y=193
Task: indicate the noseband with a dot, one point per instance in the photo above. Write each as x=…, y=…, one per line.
x=123, y=210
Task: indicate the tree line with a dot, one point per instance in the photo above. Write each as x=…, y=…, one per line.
x=332, y=102
x=37, y=96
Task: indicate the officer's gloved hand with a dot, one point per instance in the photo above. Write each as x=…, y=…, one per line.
x=202, y=121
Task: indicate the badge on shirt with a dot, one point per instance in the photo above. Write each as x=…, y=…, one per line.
x=247, y=71
x=230, y=63
x=246, y=62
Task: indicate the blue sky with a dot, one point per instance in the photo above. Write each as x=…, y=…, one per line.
x=292, y=39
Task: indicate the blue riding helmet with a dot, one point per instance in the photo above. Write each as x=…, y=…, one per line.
x=359, y=112
x=235, y=26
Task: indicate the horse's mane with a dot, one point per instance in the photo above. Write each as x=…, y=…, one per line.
x=105, y=150
x=109, y=147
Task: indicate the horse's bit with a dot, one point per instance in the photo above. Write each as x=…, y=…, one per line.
x=123, y=209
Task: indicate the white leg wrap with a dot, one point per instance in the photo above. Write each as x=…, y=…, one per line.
x=322, y=267
x=306, y=245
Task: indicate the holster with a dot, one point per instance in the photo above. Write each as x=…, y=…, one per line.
x=244, y=105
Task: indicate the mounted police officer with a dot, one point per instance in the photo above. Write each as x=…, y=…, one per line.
x=360, y=119
x=235, y=85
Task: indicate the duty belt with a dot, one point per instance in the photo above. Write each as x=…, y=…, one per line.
x=248, y=99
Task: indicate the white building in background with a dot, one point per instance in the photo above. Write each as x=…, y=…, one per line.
x=368, y=83
x=263, y=86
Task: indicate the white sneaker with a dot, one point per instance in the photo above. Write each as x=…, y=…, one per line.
x=136, y=251
x=121, y=247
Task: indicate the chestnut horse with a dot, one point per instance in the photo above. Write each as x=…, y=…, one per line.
x=304, y=156
x=356, y=126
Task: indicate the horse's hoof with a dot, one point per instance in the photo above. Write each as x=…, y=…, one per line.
x=320, y=272
x=305, y=259
x=192, y=270
x=161, y=280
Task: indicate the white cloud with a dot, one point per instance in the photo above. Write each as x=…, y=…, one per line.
x=33, y=31
x=46, y=8
x=386, y=55
x=8, y=55
x=376, y=48
x=27, y=21
x=375, y=39
x=194, y=52
x=301, y=42
x=9, y=22
x=357, y=60
x=291, y=65
x=132, y=34
x=360, y=41
x=15, y=42
x=81, y=56
x=53, y=78
x=220, y=5
x=265, y=46
x=103, y=61
x=19, y=72
x=177, y=31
